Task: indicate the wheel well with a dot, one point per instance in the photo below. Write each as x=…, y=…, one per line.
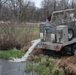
x=67, y=46
x=72, y=44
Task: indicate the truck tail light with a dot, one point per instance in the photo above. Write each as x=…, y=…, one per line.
x=57, y=48
x=45, y=44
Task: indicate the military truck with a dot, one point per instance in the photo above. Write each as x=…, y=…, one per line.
x=59, y=33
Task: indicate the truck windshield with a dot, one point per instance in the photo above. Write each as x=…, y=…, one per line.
x=57, y=17
x=60, y=16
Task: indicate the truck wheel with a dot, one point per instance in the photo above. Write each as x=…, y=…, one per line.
x=73, y=51
x=70, y=34
x=44, y=51
x=66, y=50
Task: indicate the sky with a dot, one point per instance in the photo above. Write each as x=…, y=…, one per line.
x=37, y=3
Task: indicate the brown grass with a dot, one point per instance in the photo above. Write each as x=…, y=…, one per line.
x=37, y=52
x=25, y=48
x=19, y=36
x=68, y=64
x=35, y=25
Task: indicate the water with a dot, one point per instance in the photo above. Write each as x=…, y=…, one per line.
x=10, y=68
x=24, y=58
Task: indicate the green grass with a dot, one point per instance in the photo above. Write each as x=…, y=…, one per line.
x=33, y=31
x=13, y=53
x=26, y=29
x=43, y=65
x=28, y=33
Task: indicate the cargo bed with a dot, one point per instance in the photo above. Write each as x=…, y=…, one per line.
x=55, y=46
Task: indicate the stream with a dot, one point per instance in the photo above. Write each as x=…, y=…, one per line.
x=16, y=66
x=11, y=68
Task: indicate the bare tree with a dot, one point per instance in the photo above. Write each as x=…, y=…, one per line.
x=0, y=4
x=48, y=6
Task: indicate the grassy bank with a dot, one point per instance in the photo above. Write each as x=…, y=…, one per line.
x=43, y=65
x=12, y=53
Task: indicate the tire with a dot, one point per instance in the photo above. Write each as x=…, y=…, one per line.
x=70, y=34
x=66, y=50
x=44, y=51
x=73, y=51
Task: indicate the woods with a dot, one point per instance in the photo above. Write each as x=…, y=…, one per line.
x=26, y=11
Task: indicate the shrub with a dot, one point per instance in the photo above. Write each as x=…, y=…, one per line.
x=7, y=38
x=12, y=36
